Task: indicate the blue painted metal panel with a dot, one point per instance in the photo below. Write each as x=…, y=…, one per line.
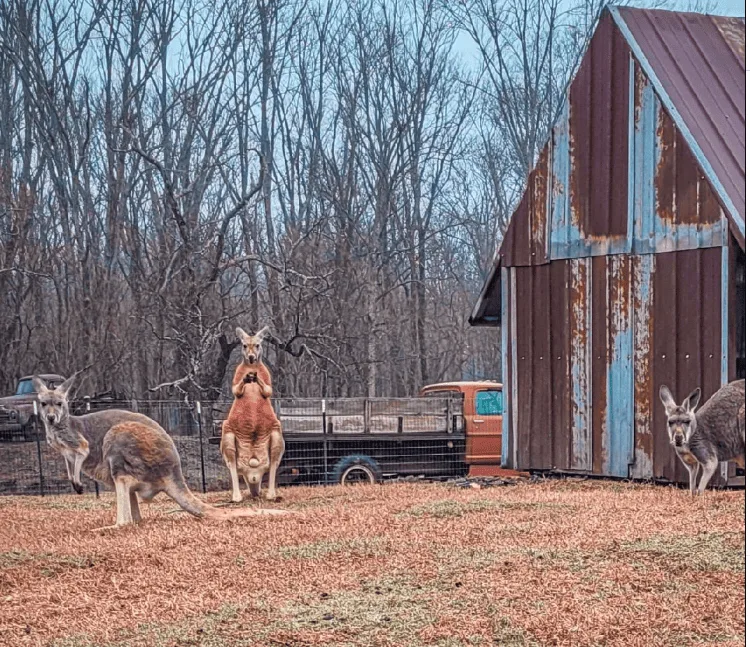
x=651, y=233
x=580, y=364
x=643, y=371
x=565, y=239
x=617, y=441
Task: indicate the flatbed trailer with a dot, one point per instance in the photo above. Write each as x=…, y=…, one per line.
x=343, y=440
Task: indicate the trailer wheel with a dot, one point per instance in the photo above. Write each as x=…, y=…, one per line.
x=357, y=468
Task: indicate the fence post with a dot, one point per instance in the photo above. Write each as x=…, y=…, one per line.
x=200, y=440
x=325, y=441
x=38, y=449
x=88, y=410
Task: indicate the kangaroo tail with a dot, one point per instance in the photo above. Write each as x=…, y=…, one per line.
x=179, y=491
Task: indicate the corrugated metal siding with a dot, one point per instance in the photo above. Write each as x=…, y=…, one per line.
x=696, y=59
x=594, y=344
x=674, y=206
x=598, y=138
x=525, y=240
x=686, y=339
x=589, y=153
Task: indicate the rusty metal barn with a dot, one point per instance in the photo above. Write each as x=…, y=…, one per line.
x=623, y=266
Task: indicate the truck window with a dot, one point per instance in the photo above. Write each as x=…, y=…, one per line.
x=489, y=403
x=25, y=387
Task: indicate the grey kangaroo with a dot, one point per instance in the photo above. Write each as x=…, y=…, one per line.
x=124, y=450
x=714, y=433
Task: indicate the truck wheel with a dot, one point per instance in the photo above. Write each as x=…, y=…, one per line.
x=357, y=468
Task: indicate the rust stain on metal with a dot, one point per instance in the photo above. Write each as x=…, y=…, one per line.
x=579, y=364
x=664, y=179
x=619, y=293
x=732, y=31
x=538, y=183
x=643, y=311
x=573, y=193
x=699, y=60
x=640, y=86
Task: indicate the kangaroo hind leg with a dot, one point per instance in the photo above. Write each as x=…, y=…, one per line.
x=123, y=495
x=276, y=450
x=229, y=453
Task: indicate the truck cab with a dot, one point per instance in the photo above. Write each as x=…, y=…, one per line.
x=483, y=415
x=16, y=410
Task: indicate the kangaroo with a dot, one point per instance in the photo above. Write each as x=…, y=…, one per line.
x=710, y=435
x=124, y=450
x=251, y=437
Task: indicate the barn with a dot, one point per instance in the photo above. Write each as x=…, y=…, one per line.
x=623, y=265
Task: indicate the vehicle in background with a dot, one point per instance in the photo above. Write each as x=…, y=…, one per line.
x=17, y=410
x=483, y=416
x=451, y=429
x=17, y=423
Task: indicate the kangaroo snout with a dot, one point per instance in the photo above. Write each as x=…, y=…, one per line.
x=51, y=417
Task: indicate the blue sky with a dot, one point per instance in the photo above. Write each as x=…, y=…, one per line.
x=731, y=7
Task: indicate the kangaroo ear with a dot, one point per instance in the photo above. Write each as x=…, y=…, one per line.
x=39, y=385
x=67, y=385
x=261, y=334
x=241, y=334
x=666, y=398
x=691, y=402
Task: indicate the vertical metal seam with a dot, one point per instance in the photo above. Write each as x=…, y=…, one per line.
x=631, y=154
x=504, y=371
x=589, y=361
x=725, y=323
x=514, y=359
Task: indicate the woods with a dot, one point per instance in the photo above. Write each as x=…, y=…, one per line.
x=340, y=171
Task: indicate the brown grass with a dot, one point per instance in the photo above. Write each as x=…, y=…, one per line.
x=557, y=563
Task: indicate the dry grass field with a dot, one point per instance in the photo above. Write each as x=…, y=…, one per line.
x=551, y=563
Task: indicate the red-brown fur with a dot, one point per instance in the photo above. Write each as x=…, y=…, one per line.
x=251, y=435
x=251, y=418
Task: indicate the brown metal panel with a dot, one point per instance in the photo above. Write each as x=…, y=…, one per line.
x=599, y=136
x=708, y=204
x=560, y=364
x=664, y=180
x=599, y=334
x=541, y=436
x=683, y=196
x=538, y=207
x=687, y=339
x=525, y=240
x=524, y=364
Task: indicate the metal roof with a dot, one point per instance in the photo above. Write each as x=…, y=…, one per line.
x=696, y=63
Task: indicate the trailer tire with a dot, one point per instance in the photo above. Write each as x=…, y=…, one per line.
x=357, y=468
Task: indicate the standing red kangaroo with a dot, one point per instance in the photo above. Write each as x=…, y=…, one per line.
x=251, y=439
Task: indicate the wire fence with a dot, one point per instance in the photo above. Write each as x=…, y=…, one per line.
x=327, y=441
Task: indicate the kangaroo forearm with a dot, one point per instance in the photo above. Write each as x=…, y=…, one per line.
x=265, y=389
x=238, y=390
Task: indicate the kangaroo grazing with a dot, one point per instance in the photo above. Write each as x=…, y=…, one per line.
x=710, y=435
x=251, y=438
x=124, y=450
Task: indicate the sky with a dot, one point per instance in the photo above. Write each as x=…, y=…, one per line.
x=731, y=7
